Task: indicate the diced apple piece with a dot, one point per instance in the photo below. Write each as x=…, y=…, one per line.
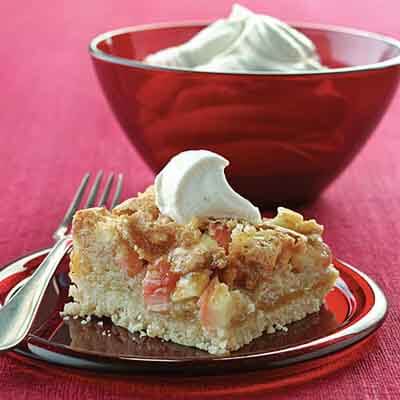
x=190, y=285
x=221, y=234
x=292, y=220
x=128, y=260
x=217, y=306
x=158, y=284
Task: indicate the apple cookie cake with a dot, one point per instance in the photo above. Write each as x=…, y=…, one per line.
x=211, y=283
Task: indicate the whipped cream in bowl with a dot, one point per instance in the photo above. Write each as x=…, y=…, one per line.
x=193, y=184
x=245, y=41
x=291, y=133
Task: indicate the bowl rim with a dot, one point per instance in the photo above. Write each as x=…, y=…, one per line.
x=101, y=55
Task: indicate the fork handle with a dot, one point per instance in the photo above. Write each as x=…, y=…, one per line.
x=17, y=316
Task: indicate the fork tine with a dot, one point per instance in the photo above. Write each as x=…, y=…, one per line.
x=94, y=190
x=106, y=191
x=63, y=227
x=75, y=201
x=118, y=190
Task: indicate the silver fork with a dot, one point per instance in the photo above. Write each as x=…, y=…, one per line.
x=18, y=314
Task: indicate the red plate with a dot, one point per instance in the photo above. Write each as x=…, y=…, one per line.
x=354, y=309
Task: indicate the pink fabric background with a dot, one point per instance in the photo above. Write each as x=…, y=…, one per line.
x=55, y=125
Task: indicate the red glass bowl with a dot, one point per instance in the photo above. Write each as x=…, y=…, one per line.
x=287, y=135
x=353, y=310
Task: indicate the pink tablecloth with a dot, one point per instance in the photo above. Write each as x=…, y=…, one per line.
x=55, y=125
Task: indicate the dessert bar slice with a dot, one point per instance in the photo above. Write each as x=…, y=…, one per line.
x=214, y=284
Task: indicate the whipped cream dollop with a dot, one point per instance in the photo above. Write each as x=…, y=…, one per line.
x=193, y=184
x=244, y=41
